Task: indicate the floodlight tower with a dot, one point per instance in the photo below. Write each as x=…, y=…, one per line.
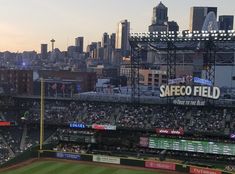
x=135, y=66
x=209, y=42
x=52, y=44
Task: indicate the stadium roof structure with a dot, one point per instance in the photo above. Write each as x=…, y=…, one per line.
x=207, y=41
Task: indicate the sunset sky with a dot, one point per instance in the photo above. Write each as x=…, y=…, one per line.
x=25, y=24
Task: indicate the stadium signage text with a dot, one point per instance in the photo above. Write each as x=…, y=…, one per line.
x=77, y=125
x=5, y=123
x=198, y=91
x=160, y=165
x=103, y=127
x=68, y=156
x=189, y=102
x=197, y=170
x=202, y=81
x=176, y=81
x=169, y=131
x=106, y=159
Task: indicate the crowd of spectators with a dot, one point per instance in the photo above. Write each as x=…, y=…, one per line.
x=71, y=148
x=4, y=151
x=208, y=120
x=193, y=119
x=63, y=112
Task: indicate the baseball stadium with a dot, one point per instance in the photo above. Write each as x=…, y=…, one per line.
x=166, y=107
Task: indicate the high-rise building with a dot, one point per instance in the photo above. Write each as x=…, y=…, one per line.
x=44, y=51
x=93, y=50
x=160, y=17
x=198, y=16
x=112, y=40
x=106, y=46
x=105, y=40
x=122, y=36
x=226, y=22
x=172, y=26
x=160, y=14
x=72, y=52
x=79, y=41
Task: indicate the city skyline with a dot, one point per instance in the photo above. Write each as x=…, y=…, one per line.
x=26, y=24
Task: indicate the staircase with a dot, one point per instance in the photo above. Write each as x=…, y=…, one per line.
x=118, y=115
x=188, y=120
x=24, y=134
x=2, y=117
x=11, y=153
x=84, y=114
x=114, y=116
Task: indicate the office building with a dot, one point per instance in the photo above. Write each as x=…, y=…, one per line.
x=159, y=19
x=44, y=51
x=226, y=22
x=172, y=26
x=106, y=46
x=79, y=42
x=112, y=40
x=122, y=36
x=198, y=16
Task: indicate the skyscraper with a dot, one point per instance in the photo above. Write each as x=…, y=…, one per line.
x=226, y=22
x=198, y=16
x=79, y=41
x=72, y=52
x=160, y=17
x=105, y=40
x=112, y=40
x=44, y=51
x=106, y=46
x=172, y=26
x=122, y=36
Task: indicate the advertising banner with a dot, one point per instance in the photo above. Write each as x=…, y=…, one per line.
x=169, y=131
x=197, y=170
x=202, y=81
x=160, y=165
x=5, y=123
x=176, y=81
x=77, y=125
x=106, y=159
x=68, y=156
x=103, y=127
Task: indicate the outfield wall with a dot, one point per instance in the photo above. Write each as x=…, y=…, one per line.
x=132, y=162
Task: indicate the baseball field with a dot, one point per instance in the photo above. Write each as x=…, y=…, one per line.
x=65, y=167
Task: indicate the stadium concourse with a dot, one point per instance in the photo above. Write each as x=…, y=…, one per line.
x=121, y=129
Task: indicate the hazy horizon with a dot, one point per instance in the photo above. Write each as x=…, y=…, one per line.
x=25, y=24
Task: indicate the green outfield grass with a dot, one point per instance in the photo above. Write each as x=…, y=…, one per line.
x=54, y=167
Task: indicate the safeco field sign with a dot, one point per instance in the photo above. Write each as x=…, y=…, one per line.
x=197, y=91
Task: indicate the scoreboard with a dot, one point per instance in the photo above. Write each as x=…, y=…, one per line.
x=192, y=146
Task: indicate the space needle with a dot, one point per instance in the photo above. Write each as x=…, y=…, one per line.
x=52, y=44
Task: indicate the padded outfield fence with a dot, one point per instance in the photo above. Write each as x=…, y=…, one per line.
x=132, y=162
x=171, y=166
x=153, y=164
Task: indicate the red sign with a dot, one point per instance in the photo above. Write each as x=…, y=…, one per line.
x=159, y=165
x=197, y=170
x=103, y=127
x=170, y=131
x=5, y=123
